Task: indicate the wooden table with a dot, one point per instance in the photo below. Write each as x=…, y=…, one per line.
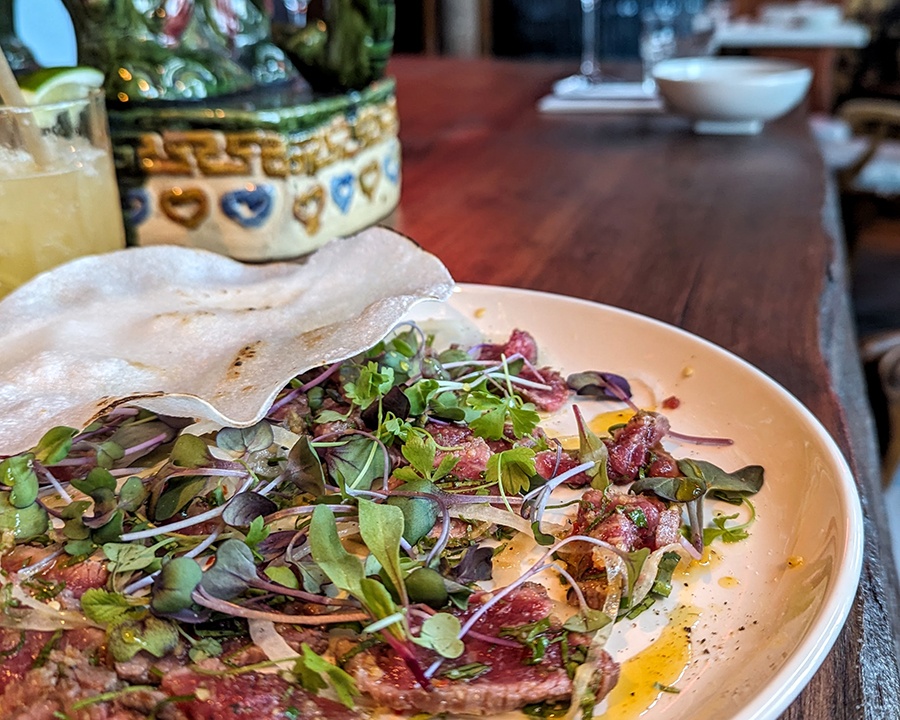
x=735, y=239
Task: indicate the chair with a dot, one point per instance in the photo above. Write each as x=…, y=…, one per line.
x=869, y=180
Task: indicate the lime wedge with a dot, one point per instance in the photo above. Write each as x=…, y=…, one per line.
x=59, y=84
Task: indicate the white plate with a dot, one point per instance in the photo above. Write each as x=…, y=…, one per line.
x=764, y=627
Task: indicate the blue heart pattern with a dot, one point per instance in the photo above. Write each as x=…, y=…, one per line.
x=342, y=191
x=136, y=206
x=249, y=207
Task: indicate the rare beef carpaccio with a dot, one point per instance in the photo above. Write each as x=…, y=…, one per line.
x=515, y=651
x=507, y=674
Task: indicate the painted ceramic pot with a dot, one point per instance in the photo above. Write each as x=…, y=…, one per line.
x=262, y=176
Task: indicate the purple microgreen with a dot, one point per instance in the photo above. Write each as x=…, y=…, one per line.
x=207, y=542
x=700, y=440
x=442, y=539
x=245, y=507
x=304, y=510
x=229, y=608
x=540, y=497
x=542, y=564
x=147, y=445
x=233, y=571
x=317, y=380
x=394, y=402
x=276, y=544
x=181, y=524
x=45, y=474
x=354, y=464
x=281, y=589
x=304, y=469
x=600, y=385
x=475, y=565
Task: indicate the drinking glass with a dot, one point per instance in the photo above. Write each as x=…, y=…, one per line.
x=58, y=194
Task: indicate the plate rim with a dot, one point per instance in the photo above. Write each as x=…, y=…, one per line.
x=807, y=657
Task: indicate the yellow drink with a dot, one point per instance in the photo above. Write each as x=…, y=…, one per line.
x=52, y=214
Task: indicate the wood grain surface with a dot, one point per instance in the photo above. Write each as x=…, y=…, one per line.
x=732, y=238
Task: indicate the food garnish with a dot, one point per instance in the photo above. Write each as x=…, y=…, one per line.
x=338, y=554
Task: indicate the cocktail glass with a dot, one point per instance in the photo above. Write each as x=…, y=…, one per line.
x=59, y=203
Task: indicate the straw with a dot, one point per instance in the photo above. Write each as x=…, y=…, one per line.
x=11, y=94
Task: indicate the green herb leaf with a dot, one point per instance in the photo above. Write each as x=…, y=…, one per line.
x=732, y=487
x=721, y=530
x=419, y=513
x=129, y=557
x=534, y=636
x=242, y=441
x=677, y=489
x=205, y=648
x=153, y=635
x=342, y=568
x=492, y=420
x=470, y=671
x=440, y=633
x=588, y=622
x=592, y=449
x=381, y=528
x=54, y=445
x=174, y=585
x=540, y=537
x=357, y=463
x=132, y=494
x=512, y=468
x=108, y=453
x=524, y=418
x=179, y=493
x=372, y=383
x=315, y=673
x=17, y=473
x=108, y=608
x=190, y=451
x=420, y=450
x=256, y=533
x=24, y=523
x=282, y=575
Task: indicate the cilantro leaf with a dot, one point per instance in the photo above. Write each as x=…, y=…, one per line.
x=373, y=382
x=512, y=468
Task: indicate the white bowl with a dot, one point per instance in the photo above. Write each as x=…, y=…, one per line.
x=731, y=95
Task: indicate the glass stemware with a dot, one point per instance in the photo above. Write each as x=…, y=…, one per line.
x=590, y=56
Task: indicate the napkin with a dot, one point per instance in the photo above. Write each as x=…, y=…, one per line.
x=575, y=94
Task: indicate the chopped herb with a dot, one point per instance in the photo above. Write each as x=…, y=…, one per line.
x=469, y=671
